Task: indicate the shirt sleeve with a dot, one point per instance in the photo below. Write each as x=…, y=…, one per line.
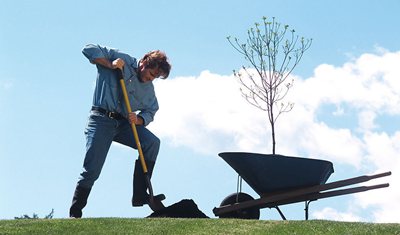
x=92, y=52
x=149, y=113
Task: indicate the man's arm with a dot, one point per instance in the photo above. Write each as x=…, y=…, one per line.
x=118, y=63
x=102, y=56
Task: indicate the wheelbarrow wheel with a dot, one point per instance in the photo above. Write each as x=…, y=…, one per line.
x=248, y=213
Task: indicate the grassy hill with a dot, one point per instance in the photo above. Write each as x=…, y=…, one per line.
x=189, y=226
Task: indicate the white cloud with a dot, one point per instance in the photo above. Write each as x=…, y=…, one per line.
x=383, y=155
x=329, y=213
x=208, y=114
x=370, y=82
x=366, y=120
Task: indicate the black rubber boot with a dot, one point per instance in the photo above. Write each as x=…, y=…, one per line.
x=79, y=201
x=140, y=196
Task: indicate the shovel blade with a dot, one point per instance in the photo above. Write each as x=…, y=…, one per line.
x=156, y=203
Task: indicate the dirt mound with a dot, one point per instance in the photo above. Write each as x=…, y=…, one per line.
x=186, y=208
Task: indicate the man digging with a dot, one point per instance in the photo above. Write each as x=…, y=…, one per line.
x=109, y=120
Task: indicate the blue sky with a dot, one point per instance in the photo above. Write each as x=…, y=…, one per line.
x=346, y=97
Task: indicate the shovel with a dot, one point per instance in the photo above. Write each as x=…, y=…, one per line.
x=154, y=204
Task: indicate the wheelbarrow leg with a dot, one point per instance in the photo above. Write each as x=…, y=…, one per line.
x=307, y=203
x=280, y=212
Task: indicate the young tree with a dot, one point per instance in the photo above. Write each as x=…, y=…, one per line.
x=273, y=52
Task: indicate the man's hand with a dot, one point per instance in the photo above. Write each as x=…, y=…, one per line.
x=137, y=120
x=118, y=64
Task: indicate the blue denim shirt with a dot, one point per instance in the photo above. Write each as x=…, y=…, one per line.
x=108, y=94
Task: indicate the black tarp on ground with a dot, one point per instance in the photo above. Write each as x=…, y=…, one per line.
x=186, y=208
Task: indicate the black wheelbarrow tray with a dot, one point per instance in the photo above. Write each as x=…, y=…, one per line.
x=281, y=180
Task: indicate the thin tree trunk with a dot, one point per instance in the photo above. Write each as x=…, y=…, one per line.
x=273, y=137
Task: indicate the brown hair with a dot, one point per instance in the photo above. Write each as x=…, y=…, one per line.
x=157, y=59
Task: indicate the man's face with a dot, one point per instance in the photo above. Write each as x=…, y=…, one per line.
x=148, y=75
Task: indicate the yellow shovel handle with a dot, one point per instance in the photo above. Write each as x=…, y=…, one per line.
x=135, y=134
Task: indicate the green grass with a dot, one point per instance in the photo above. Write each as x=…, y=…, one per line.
x=189, y=226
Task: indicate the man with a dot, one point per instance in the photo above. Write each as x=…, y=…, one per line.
x=109, y=120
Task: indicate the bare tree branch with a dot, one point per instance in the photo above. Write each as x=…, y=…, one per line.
x=273, y=52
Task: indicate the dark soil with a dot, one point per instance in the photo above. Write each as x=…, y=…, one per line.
x=186, y=208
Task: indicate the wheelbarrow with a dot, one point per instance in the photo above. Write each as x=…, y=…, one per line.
x=281, y=180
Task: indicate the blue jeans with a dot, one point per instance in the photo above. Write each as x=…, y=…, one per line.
x=100, y=132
